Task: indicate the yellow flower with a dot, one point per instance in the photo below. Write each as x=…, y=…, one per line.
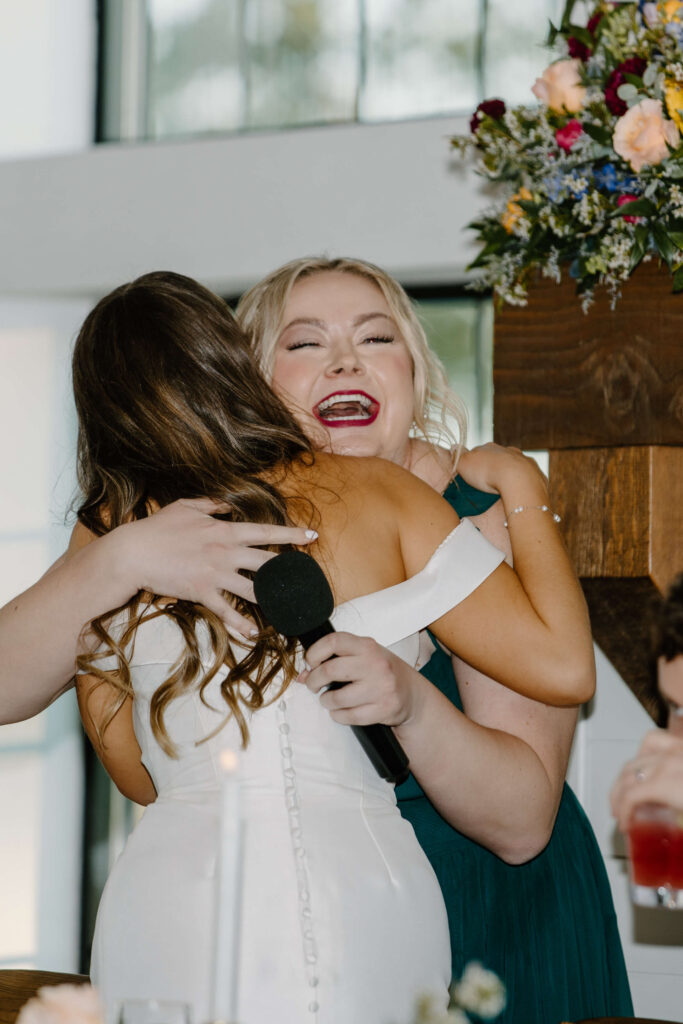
x=672, y=9
x=514, y=211
x=673, y=94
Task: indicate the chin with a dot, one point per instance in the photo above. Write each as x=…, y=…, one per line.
x=352, y=442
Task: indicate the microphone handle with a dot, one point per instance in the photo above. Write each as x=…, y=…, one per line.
x=378, y=741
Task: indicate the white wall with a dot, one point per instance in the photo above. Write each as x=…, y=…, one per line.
x=47, y=63
x=41, y=760
x=47, y=75
x=228, y=210
x=608, y=735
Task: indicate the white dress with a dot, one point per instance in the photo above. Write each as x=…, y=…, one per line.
x=342, y=919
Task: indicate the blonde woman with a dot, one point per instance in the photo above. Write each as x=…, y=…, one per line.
x=523, y=878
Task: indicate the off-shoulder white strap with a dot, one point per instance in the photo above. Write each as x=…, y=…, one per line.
x=458, y=566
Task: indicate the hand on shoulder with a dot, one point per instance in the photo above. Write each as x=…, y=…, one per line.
x=183, y=551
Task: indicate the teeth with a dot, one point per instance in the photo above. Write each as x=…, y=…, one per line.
x=362, y=400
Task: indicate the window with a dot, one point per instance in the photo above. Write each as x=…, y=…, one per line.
x=172, y=68
x=40, y=760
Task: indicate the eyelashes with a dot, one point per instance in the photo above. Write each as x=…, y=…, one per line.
x=375, y=339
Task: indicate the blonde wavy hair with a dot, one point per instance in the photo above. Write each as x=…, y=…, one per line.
x=260, y=312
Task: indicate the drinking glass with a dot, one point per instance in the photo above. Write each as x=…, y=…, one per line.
x=655, y=844
x=152, y=1011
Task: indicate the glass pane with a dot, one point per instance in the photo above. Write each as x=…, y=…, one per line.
x=460, y=331
x=194, y=81
x=28, y=358
x=301, y=61
x=515, y=51
x=20, y=809
x=421, y=58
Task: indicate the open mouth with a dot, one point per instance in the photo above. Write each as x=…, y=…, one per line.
x=347, y=409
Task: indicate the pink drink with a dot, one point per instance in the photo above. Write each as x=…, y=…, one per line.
x=656, y=855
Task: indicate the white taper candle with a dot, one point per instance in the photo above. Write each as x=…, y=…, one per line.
x=228, y=891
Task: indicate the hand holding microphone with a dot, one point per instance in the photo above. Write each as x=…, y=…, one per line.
x=296, y=599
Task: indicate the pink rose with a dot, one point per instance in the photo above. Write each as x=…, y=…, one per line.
x=559, y=87
x=63, y=1004
x=643, y=136
x=623, y=201
x=567, y=136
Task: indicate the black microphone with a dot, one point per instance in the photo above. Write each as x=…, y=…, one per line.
x=295, y=597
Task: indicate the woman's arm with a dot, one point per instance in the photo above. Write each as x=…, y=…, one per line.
x=495, y=773
x=511, y=802
x=118, y=750
x=490, y=784
x=181, y=551
x=526, y=628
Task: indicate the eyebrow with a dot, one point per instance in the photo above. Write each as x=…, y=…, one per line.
x=356, y=322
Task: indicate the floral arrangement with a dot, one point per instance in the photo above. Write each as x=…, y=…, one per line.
x=63, y=1004
x=592, y=173
x=479, y=993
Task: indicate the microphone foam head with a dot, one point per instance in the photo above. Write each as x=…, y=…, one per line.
x=293, y=593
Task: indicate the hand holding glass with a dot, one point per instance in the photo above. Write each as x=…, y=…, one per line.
x=655, y=845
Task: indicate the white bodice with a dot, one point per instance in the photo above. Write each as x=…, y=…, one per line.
x=342, y=918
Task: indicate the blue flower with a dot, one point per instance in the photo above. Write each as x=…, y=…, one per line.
x=675, y=30
x=606, y=177
x=553, y=185
x=610, y=179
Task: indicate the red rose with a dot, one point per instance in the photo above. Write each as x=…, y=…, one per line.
x=489, y=108
x=632, y=66
x=626, y=198
x=578, y=49
x=567, y=136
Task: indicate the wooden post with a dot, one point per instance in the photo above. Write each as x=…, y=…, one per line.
x=604, y=392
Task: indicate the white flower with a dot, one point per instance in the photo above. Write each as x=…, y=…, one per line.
x=650, y=15
x=455, y=1016
x=480, y=991
x=63, y=1004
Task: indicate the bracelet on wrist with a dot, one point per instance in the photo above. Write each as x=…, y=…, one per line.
x=528, y=508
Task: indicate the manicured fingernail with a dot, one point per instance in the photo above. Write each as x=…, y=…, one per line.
x=312, y=534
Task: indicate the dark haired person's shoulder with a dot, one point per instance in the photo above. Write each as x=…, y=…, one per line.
x=397, y=484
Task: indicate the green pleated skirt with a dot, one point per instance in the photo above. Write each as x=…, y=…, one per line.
x=547, y=927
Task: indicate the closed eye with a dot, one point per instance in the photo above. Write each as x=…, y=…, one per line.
x=378, y=339
x=302, y=344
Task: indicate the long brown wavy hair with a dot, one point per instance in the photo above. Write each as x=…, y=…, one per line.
x=171, y=404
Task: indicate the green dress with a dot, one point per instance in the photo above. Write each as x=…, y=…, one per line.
x=547, y=927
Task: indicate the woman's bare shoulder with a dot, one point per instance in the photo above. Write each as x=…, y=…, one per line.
x=80, y=536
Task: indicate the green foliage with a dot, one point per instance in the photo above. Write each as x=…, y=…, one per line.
x=585, y=188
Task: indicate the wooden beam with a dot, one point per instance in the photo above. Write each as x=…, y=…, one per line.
x=622, y=512
x=565, y=379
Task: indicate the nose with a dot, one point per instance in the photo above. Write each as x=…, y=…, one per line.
x=344, y=358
